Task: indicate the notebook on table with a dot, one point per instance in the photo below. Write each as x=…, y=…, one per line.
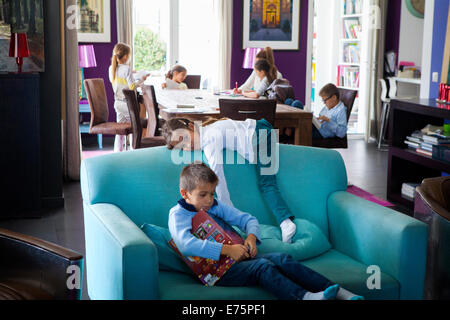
x=205, y=228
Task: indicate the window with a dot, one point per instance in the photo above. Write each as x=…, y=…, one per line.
x=177, y=31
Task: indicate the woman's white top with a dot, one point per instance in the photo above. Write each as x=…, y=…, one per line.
x=254, y=82
x=231, y=135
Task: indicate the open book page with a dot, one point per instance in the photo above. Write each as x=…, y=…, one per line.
x=317, y=123
x=140, y=74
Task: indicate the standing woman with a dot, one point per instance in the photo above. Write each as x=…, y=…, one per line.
x=254, y=81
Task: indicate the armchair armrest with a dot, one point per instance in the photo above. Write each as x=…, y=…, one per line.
x=121, y=261
x=37, y=269
x=375, y=235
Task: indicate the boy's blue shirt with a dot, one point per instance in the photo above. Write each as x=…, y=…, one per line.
x=337, y=127
x=180, y=225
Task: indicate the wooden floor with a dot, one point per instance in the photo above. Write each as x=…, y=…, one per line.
x=366, y=167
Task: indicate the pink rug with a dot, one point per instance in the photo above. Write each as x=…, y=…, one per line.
x=367, y=196
x=96, y=153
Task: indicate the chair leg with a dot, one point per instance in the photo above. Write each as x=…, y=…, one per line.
x=100, y=141
x=383, y=125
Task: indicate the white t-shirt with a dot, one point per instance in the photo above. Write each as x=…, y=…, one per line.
x=124, y=80
x=231, y=135
x=254, y=82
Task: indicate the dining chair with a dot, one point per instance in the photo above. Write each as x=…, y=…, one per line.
x=193, y=81
x=34, y=269
x=348, y=97
x=151, y=105
x=138, y=142
x=98, y=102
x=243, y=109
x=384, y=115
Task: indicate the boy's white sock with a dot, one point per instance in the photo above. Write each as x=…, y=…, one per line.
x=288, y=230
x=329, y=294
x=343, y=294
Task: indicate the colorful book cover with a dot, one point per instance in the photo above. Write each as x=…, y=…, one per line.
x=205, y=228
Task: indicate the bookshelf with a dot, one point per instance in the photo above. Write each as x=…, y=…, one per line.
x=406, y=165
x=351, y=42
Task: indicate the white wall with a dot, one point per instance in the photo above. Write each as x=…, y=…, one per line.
x=427, y=49
x=411, y=46
x=328, y=27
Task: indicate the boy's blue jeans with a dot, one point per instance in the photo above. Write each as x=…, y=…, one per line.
x=268, y=183
x=278, y=273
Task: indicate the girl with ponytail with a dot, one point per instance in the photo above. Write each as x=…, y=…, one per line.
x=254, y=81
x=175, y=78
x=121, y=77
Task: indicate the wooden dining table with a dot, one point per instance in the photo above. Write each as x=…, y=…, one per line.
x=199, y=105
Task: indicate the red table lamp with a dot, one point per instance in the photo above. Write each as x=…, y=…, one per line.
x=18, y=48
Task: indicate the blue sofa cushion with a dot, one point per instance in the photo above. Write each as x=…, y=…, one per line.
x=167, y=257
x=308, y=242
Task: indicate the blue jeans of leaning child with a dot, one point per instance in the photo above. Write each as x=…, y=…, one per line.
x=268, y=183
x=278, y=273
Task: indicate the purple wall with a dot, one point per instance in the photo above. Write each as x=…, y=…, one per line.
x=439, y=35
x=292, y=64
x=393, y=25
x=103, y=54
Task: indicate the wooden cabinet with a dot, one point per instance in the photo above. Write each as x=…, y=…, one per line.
x=406, y=165
x=20, y=194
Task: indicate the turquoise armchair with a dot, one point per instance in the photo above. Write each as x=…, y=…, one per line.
x=123, y=191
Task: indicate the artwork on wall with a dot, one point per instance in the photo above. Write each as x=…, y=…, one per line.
x=22, y=16
x=416, y=7
x=271, y=23
x=94, y=21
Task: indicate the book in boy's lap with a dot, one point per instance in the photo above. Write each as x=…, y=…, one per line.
x=205, y=228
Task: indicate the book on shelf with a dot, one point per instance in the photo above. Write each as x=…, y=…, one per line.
x=426, y=146
x=352, y=28
x=442, y=152
x=348, y=76
x=412, y=144
x=351, y=53
x=352, y=7
x=424, y=152
x=409, y=189
x=436, y=139
x=205, y=228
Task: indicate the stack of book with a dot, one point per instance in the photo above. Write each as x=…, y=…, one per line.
x=409, y=190
x=432, y=145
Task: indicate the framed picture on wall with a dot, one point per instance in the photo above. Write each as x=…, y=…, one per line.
x=18, y=16
x=94, y=20
x=271, y=23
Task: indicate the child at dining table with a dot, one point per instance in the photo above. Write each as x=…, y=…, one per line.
x=267, y=74
x=175, y=78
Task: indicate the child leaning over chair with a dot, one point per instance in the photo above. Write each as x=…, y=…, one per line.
x=278, y=273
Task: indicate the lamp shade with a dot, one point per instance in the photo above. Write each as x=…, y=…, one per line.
x=250, y=57
x=86, y=56
x=18, y=47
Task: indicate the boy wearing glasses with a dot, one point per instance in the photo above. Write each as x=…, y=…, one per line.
x=333, y=117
